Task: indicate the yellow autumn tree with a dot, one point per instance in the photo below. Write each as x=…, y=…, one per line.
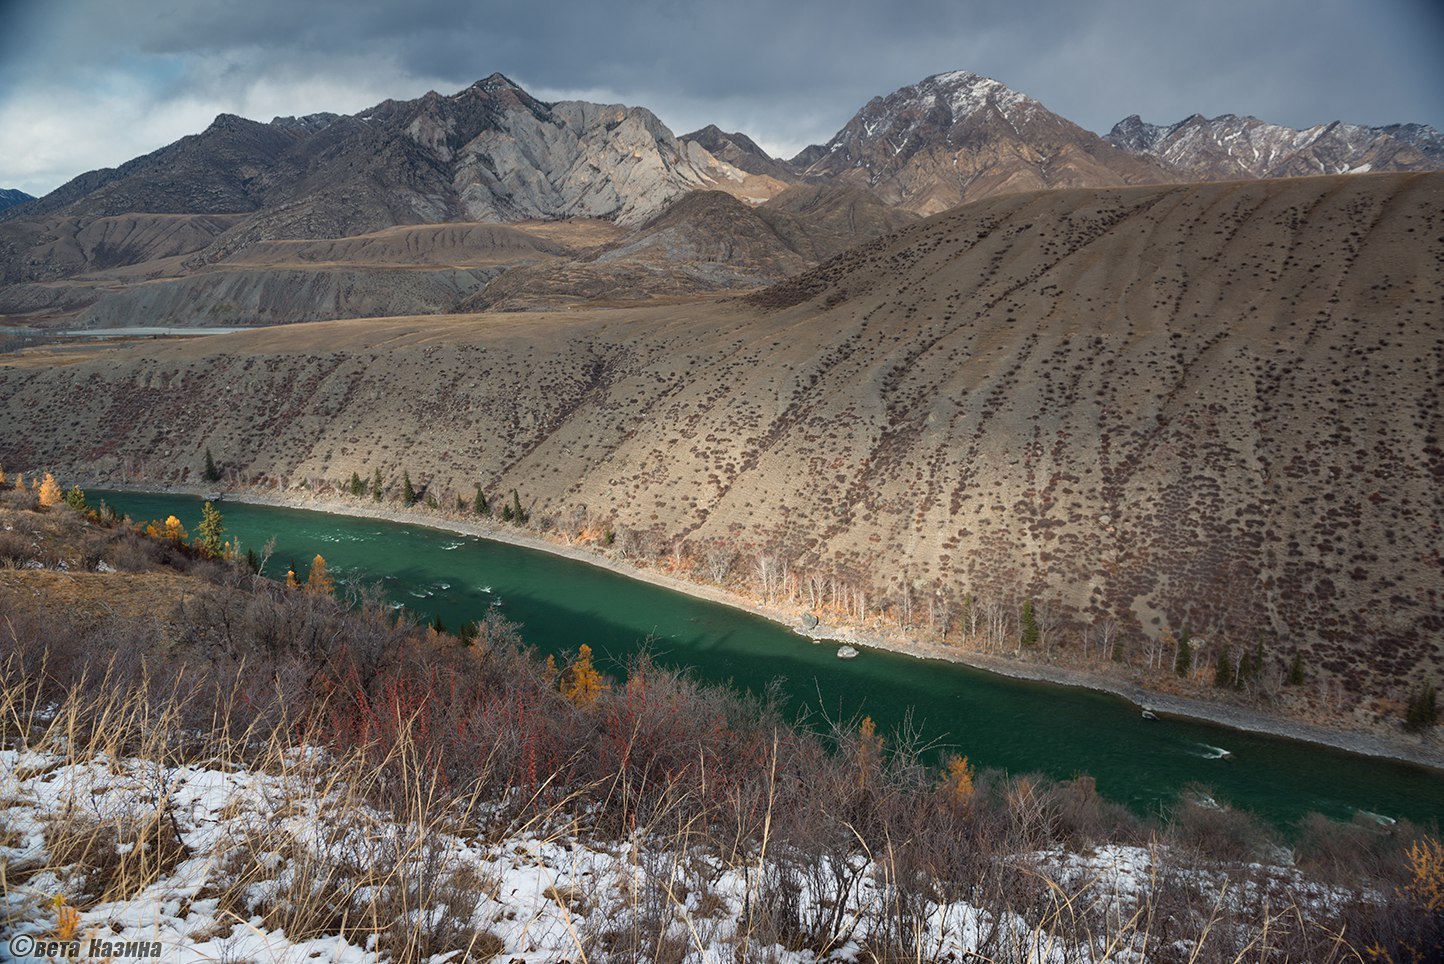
x=174, y=531
x=320, y=581
x=957, y=783
x=869, y=751
x=583, y=683
x=291, y=581
x=1426, y=878
x=50, y=492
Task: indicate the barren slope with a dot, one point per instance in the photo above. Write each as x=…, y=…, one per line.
x=1212, y=406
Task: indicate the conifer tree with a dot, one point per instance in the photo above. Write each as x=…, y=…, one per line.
x=958, y=781
x=478, y=504
x=212, y=530
x=518, y=516
x=1183, y=662
x=1296, y=670
x=583, y=682
x=1028, y=625
x=408, y=493
x=174, y=531
x=869, y=751
x=357, y=486
x=1221, y=669
x=211, y=473
x=291, y=581
x=75, y=498
x=50, y=491
x=319, y=579
x=378, y=486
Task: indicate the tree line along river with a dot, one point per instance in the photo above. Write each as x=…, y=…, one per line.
x=995, y=721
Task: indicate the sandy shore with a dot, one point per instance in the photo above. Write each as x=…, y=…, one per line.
x=1420, y=751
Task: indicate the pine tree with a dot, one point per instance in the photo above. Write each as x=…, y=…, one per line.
x=357, y=486
x=1296, y=670
x=583, y=682
x=253, y=561
x=1222, y=668
x=211, y=473
x=1183, y=662
x=319, y=579
x=519, y=516
x=50, y=492
x=75, y=498
x=378, y=486
x=478, y=504
x=1028, y=625
x=212, y=530
x=408, y=494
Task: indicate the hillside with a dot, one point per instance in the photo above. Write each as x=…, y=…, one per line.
x=1151, y=410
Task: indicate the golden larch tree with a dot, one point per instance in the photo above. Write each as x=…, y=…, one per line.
x=319, y=580
x=958, y=782
x=869, y=751
x=50, y=492
x=583, y=683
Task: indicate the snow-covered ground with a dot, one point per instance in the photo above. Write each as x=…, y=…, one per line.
x=239, y=851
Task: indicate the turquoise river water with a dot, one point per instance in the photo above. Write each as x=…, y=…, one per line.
x=995, y=721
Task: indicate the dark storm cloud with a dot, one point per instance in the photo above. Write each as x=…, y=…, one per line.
x=788, y=74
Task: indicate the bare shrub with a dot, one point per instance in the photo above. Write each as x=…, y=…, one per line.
x=1218, y=832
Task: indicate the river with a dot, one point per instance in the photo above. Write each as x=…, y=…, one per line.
x=994, y=721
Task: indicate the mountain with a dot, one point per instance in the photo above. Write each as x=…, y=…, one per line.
x=1231, y=147
x=491, y=152
x=211, y=227
x=740, y=151
x=1209, y=406
x=11, y=196
x=958, y=137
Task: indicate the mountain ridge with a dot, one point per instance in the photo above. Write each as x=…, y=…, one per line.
x=1230, y=146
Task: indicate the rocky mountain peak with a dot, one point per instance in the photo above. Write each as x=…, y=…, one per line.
x=1231, y=146
x=496, y=81
x=959, y=136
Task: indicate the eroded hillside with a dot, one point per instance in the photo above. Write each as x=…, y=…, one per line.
x=1207, y=407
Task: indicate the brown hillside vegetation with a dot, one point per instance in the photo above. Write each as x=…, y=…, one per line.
x=1208, y=407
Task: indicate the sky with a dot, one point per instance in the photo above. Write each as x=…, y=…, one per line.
x=92, y=83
